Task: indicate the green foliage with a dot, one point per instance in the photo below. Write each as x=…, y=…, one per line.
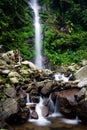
x=16, y=27
x=64, y=25
x=84, y=18
x=62, y=48
x=2, y=98
x=65, y=36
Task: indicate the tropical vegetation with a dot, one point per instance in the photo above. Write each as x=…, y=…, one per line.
x=64, y=29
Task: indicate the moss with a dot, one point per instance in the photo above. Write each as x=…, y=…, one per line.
x=5, y=80
x=2, y=97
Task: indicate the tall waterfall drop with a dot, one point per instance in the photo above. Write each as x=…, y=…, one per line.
x=38, y=47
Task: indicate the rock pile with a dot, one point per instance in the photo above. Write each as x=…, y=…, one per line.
x=18, y=77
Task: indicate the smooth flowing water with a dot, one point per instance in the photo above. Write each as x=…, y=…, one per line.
x=61, y=77
x=41, y=121
x=52, y=122
x=38, y=42
x=56, y=124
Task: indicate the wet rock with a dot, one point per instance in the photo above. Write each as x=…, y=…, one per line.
x=20, y=117
x=31, y=106
x=10, y=106
x=47, y=87
x=1, y=80
x=30, y=87
x=14, y=80
x=34, y=115
x=22, y=99
x=45, y=111
x=5, y=126
x=82, y=110
x=83, y=62
x=6, y=72
x=47, y=73
x=81, y=73
x=8, y=55
x=34, y=99
x=22, y=102
x=13, y=74
x=30, y=64
x=2, y=63
x=10, y=92
x=40, y=85
x=24, y=114
x=82, y=83
x=24, y=71
x=80, y=95
x=22, y=94
x=73, y=67
x=1, y=110
x=54, y=96
x=67, y=102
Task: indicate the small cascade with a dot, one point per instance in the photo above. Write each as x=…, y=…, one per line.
x=61, y=77
x=71, y=121
x=51, y=105
x=28, y=99
x=54, y=108
x=42, y=121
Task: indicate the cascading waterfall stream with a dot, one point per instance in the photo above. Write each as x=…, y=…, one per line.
x=42, y=121
x=54, y=108
x=38, y=42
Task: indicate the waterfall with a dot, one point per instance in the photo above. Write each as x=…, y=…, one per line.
x=38, y=42
x=54, y=108
x=27, y=100
x=42, y=121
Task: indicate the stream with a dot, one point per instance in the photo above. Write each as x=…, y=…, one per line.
x=57, y=123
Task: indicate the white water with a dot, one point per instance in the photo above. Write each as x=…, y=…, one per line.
x=56, y=112
x=28, y=99
x=61, y=77
x=71, y=121
x=42, y=121
x=38, y=42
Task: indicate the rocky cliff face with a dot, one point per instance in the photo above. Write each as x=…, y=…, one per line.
x=19, y=78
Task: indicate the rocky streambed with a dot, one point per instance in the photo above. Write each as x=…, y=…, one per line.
x=22, y=86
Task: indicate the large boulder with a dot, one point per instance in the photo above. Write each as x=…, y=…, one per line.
x=30, y=64
x=10, y=92
x=20, y=117
x=67, y=102
x=10, y=106
x=82, y=110
x=80, y=95
x=47, y=87
x=82, y=83
x=81, y=73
